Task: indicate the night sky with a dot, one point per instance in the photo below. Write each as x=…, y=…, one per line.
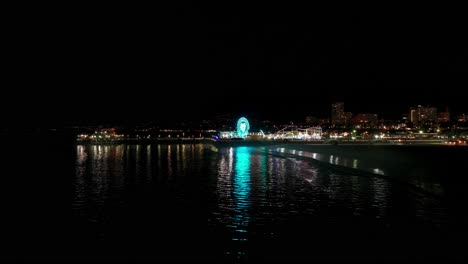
x=280, y=62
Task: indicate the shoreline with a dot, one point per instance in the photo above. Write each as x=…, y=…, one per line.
x=423, y=166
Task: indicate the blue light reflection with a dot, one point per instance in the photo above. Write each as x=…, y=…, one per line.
x=241, y=190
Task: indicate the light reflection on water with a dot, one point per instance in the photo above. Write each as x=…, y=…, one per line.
x=332, y=159
x=252, y=194
x=241, y=191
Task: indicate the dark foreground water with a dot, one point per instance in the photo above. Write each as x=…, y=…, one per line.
x=184, y=202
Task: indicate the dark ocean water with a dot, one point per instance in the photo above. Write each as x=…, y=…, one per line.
x=196, y=202
x=184, y=202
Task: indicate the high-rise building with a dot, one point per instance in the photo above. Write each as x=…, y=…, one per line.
x=444, y=116
x=429, y=114
x=415, y=114
x=419, y=115
x=337, y=113
x=347, y=117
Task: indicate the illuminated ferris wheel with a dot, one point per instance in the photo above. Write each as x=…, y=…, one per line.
x=243, y=127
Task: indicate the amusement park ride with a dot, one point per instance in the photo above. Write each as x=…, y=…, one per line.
x=295, y=133
x=288, y=133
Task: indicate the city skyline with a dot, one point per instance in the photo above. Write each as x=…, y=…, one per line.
x=285, y=113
